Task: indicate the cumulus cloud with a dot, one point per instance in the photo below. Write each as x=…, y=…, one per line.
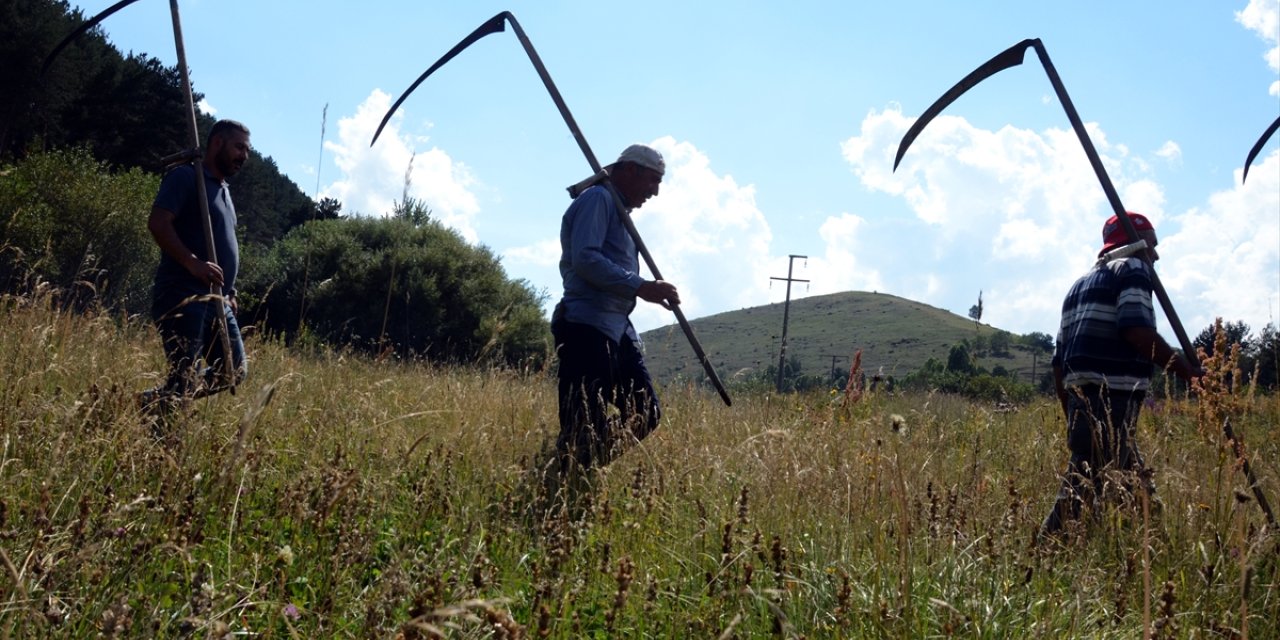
x=374, y=178
x=1263, y=18
x=1224, y=260
x=1001, y=211
x=544, y=253
x=1018, y=213
x=207, y=108
x=705, y=234
x=844, y=262
x=1170, y=151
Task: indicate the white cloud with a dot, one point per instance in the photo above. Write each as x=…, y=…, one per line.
x=1263, y=18
x=544, y=253
x=844, y=263
x=1224, y=260
x=704, y=231
x=706, y=235
x=205, y=107
x=373, y=178
x=1013, y=212
x=1170, y=151
x=1018, y=213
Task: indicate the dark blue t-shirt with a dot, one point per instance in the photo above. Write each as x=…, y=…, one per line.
x=178, y=194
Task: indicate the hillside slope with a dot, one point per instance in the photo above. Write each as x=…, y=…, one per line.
x=896, y=337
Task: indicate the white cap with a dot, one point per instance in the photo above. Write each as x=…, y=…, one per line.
x=644, y=156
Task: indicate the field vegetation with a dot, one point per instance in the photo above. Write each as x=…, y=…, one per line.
x=337, y=495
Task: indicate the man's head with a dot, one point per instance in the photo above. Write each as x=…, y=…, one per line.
x=227, y=148
x=637, y=174
x=1114, y=234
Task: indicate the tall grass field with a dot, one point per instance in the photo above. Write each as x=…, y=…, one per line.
x=335, y=496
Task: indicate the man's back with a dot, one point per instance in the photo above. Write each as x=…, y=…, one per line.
x=1101, y=305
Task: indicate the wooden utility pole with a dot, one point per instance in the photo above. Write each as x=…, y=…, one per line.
x=833, y=364
x=786, y=313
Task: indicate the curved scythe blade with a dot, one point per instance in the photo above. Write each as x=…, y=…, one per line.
x=493, y=25
x=1010, y=57
x=81, y=30
x=1257, y=148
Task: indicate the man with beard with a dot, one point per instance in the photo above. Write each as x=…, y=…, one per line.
x=187, y=273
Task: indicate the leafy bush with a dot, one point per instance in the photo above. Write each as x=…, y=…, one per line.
x=962, y=377
x=69, y=221
x=390, y=284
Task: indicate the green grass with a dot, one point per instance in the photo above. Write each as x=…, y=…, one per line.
x=896, y=337
x=334, y=496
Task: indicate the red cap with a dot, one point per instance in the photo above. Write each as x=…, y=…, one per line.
x=1114, y=235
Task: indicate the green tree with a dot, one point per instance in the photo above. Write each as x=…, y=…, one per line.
x=380, y=284
x=69, y=221
x=328, y=209
x=1266, y=350
x=1037, y=341
x=129, y=111
x=1000, y=342
x=793, y=377
x=959, y=360
x=1236, y=336
x=975, y=312
x=413, y=211
x=126, y=109
x=1237, y=333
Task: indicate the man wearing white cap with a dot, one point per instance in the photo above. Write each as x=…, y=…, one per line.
x=601, y=363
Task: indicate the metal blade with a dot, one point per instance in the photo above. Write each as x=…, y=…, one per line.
x=623, y=212
x=93, y=22
x=1257, y=148
x=1010, y=57
x=493, y=25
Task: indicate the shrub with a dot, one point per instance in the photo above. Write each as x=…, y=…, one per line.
x=70, y=221
x=394, y=284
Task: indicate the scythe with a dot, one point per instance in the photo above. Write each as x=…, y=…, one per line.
x=1012, y=57
x=1257, y=148
x=193, y=155
x=497, y=24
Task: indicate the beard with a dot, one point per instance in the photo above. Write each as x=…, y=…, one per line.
x=227, y=165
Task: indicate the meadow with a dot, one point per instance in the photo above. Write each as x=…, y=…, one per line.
x=337, y=496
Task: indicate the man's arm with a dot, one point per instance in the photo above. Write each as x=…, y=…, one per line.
x=1060, y=388
x=1148, y=343
x=658, y=292
x=589, y=219
x=166, y=236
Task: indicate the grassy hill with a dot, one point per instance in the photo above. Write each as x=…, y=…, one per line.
x=896, y=337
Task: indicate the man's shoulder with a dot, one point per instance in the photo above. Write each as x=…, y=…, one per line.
x=1130, y=270
x=595, y=193
x=180, y=172
x=594, y=199
x=176, y=187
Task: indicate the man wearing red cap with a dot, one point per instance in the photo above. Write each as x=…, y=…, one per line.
x=1106, y=347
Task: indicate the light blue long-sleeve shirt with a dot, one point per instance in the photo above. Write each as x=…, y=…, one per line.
x=599, y=265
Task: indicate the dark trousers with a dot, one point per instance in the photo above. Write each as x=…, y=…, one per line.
x=595, y=374
x=1100, y=428
x=194, y=349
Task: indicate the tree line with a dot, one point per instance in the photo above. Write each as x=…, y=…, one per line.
x=965, y=372
x=80, y=150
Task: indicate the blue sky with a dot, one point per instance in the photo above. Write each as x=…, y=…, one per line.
x=779, y=122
